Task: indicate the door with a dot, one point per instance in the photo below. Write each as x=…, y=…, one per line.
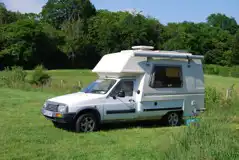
x=120, y=105
x=166, y=91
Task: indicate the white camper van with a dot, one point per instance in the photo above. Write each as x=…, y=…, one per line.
x=133, y=85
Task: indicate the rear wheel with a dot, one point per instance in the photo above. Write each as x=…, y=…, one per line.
x=173, y=119
x=86, y=122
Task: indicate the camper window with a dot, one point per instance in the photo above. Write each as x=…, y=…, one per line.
x=166, y=77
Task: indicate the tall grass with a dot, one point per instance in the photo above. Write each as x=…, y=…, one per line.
x=13, y=78
x=215, y=137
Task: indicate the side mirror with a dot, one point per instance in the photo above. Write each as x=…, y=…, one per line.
x=121, y=94
x=138, y=91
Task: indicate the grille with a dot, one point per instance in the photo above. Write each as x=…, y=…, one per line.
x=52, y=107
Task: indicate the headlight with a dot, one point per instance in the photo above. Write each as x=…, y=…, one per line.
x=62, y=108
x=44, y=105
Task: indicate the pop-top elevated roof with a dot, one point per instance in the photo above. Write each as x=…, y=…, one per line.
x=127, y=61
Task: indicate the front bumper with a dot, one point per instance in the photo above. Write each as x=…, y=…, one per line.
x=54, y=116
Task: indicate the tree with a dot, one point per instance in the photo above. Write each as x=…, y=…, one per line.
x=7, y=17
x=78, y=35
x=56, y=12
x=223, y=22
x=73, y=34
x=3, y=14
x=235, y=48
x=114, y=31
x=27, y=43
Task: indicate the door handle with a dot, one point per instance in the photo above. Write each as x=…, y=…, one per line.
x=131, y=100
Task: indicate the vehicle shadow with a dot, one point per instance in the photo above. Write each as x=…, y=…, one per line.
x=130, y=125
x=119, y=125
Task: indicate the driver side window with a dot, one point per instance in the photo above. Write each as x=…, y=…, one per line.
x=125, y=85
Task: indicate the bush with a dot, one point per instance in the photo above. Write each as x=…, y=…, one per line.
x=39, y=76
x=13, y=76
x=211, y=69
x=212, y=96
x=221, y=70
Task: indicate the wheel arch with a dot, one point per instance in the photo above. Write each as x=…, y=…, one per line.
x=88, y=110
x=181, y=111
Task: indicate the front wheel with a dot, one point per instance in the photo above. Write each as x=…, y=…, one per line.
x=86, y=123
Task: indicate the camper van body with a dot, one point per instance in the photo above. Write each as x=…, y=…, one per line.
x=137, y=84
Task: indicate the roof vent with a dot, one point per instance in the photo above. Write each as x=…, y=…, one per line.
x=142, y=47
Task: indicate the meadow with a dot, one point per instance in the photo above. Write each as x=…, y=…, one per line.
x=73, y=77
x=26, y=134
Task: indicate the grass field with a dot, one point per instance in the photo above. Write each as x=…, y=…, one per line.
x=64, y=80
x=72, y=77
x=26, y=134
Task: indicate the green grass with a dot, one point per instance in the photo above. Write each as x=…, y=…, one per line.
x=221, y=83
x=70, y=78
x=86, y=76
x=26, y=134
x=73, y=77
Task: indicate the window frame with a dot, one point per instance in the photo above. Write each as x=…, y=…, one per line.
x=152, y=76
x=119, y=83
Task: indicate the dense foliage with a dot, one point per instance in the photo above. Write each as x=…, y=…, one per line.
x=224, y=71
x=73, y=34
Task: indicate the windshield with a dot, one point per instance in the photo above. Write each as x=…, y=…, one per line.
x=99, y=86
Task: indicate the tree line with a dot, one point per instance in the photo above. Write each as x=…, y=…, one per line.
x=73, y=34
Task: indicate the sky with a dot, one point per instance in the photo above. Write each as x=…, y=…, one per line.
x=164, y=10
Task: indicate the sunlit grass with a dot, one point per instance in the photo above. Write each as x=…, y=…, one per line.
x=26, y=134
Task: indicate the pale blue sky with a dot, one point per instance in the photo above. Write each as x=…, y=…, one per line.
x=164, y=10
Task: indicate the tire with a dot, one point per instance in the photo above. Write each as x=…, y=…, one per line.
x=173, y=119
x=87, y=122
